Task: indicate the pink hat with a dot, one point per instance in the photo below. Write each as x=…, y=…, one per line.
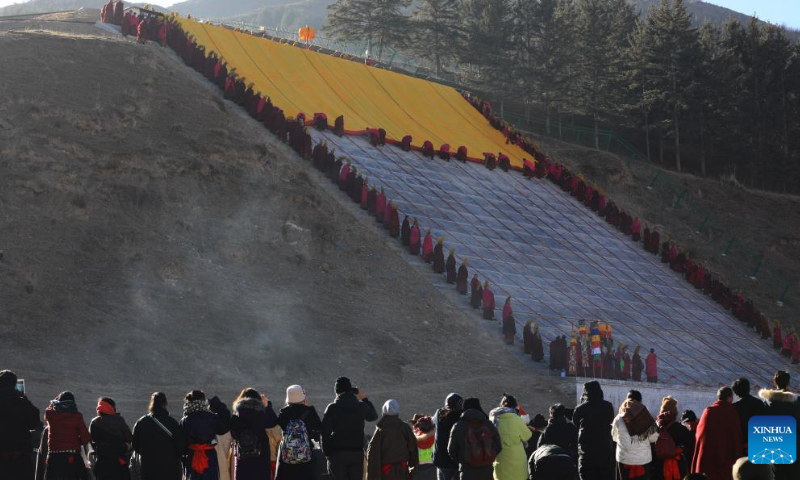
x=295, y=394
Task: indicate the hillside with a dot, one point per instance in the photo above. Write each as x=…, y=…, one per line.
x=153, y=237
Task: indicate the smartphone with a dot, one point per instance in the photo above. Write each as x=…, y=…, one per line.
x=21, y=386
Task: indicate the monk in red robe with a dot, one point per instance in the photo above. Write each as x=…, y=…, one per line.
x=655, y=239
x=438, y=256
x=507, y=310
x=450, y=266
x=527, y=168
x=488, y=302
x=646, y=237
x=414, y=239
x=503, y=162
x=427, y=247
x=354, y=185
x=162, y=34
x=365, y=194
x=636, y=229
x=462, y=277
x=796, y=350
x=537, y=352
x=372, y=197
x=509, y=329
x=788, y=343
x=427, y=149
x=637, y=366
x=319, y=154
x=777, y=336
x=380, y=205
x=387, y=215
x=625, y=364
x=527, y=337
x=119, y=12
x=344, y=173
x=489, y=160
x=718, y=438
x=477, y=292
x=461, y=154
x=601, y=204
x=405, y=232
x=405, y=143
x=141, y=31
x=444, y=152
x=394, y=222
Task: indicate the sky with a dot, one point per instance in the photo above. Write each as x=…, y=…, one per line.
x=781, y=12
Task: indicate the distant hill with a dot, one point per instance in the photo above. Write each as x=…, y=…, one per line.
x=289, y=16
x=42, y=6
x=705, y=12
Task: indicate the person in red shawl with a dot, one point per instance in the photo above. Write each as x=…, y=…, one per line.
x=527, y=168
x=427, y=247
x=719, y=438
x=162, y=34
x=141, y=30
x=394, y=222
x=125, y=25
x=777, y=337
x=119, y=12
x=477, y=292
x=450, y=266
x=438, y=256
x=405, y=232
x=462, y=277
x=637, y=366
x=537, y=350
x=380, y=205
x=677, y=466
x=636, y=229
x=651, y=367
x=488, y=302
x=413, y=239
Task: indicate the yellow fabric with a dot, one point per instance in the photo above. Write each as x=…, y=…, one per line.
x=299, y=80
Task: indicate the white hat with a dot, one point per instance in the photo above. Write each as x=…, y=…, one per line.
x=295, y=394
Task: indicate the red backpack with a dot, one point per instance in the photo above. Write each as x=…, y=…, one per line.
x=665, y=445
x=479, y=446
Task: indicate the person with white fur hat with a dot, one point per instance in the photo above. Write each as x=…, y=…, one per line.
x=296, y=415
x=392, y=453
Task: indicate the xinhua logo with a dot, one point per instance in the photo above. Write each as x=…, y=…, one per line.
x=772, y=439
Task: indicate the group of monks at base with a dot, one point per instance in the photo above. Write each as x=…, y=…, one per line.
x=146, y=27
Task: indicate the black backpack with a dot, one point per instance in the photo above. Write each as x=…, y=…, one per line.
x=247, y=445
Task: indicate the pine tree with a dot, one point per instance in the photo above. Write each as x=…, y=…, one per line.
x=378, y=23
x=602, y=29
x=487, y=43
x=436, y=31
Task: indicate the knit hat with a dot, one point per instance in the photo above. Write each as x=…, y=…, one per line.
x=295, y=394
x=8, y=379
x=508, y=401
x=391, y=407
x=342, y=385
x=669, y=404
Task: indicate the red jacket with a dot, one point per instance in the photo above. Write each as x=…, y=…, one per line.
x=67, y=430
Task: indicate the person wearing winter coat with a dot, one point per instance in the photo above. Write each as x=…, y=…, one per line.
x=474, y=424
x=252, y=416
x=747, y=406
x=444, y=419
x=392, y=451
x=682, y=438
x=66, y=436
x=560, y=432
x=551, y=462
x=111, y=441
x=634, y=430
x=159, y=441
x=343, y=431
x=781, y=401
x=223, y=449
x=18, y=416
x=719, y=438
x=511, y=462
x=202, y=421
x=297, y=409
x=593, y=419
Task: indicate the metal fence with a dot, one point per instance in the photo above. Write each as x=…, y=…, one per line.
x=746, y=261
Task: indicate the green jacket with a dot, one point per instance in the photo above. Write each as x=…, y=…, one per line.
x=511, y=463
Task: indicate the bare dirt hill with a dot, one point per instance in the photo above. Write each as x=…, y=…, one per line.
x=154, y=238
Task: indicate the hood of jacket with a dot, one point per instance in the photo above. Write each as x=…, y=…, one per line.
x=473, y=415
x=496, y=413
x=592, y=391
x=777, y=396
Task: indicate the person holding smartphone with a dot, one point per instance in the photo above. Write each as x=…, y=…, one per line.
x=18, y=416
